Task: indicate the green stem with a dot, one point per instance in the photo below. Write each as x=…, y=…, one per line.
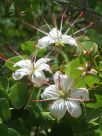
x=29, y=100
x=60, y=51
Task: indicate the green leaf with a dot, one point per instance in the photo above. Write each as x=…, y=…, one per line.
x=18, y=95
x=3, y=130
x=4, y=82
x=71, y=69
x=4, y=109
x=3, y=93
x=10, y=62
x=12, y=132
x=72, y=72
x=88, y=80
x=86, y=44
x=97, y=103
x=28, y=46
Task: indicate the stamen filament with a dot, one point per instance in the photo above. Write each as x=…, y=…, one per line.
x=56, y=27
x=74, y=22
x=47, y=24
x=62, y=21
x=40, y=30
x=83, y=29
x=50, y=99
x=6, y=60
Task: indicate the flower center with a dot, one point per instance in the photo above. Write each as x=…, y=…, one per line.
x=63, y=94
x=59, y=43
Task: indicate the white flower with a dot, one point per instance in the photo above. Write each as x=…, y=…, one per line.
x=34, y=70
x=63, y=97
x=56, y=37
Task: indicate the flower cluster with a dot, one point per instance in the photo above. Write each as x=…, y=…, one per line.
x=62, y=95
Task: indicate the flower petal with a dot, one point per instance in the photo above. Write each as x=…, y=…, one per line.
x=55, y=33
x=50, y=93
x=62, y=81
x=23, y=64
x=18, y=74
x=38, y=78
x=73, y=108
x=45, y=67
x=92, y=72
x=44, y=42
x=41, y=61
x=69, y=40
x=58, y=109
x=80, y=93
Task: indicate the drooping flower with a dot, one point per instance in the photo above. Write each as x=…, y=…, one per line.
x=64, y=97
x=33, y=69
x=87, y=70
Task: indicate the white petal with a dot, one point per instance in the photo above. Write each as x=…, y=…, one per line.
x=92, y=72
x=73, y=108
x=38, y=78
x=23, y=64
x=18, y=74
x=50, y=93
x=41, y=61
x=69, y=40
x=80, y=93
x=45, y=67
x=58, y=109
x=80, y=68
x=55, y=33
x=44, y=42
x=62, y=81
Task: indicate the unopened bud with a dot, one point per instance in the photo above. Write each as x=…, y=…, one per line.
x=88, y=65
x=83, y=74
x=92, y=49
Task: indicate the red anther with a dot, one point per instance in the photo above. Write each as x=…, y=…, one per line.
x=90, y=24
x=2, y=57
x=81, y=14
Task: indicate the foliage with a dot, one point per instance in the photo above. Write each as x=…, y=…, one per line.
x=19, y=114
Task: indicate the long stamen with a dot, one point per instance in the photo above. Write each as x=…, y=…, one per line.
x=83, y=29
x=81, y=46
x=16, y=52
x=40, y=30
x=50, y=99
x=74, y=22
x=80, y=99
x=6, y=60
x=35, y=53
x=49, y=53
x=55, y=24
x=19, y=55
x=47, y=24
x=62, y=20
